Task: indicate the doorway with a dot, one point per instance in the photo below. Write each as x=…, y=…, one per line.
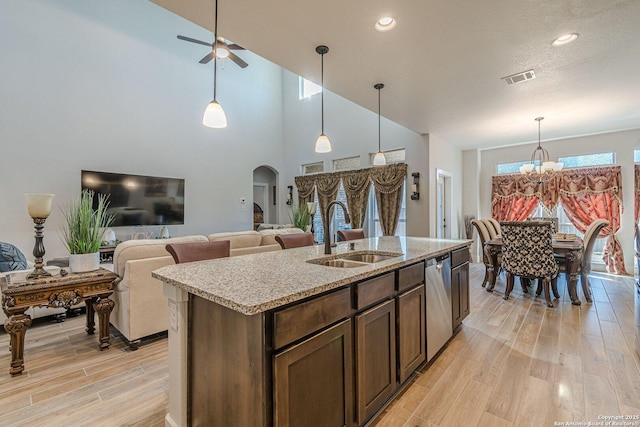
x=264, y=195
x=443, y=204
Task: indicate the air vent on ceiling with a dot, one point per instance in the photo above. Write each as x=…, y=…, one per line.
x=520, y=77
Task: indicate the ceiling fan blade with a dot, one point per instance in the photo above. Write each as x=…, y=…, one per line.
x=189, y=39
x=235, y=58
x=235, y=46
x=207, y=58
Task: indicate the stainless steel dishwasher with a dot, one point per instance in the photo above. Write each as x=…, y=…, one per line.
x=438, y=296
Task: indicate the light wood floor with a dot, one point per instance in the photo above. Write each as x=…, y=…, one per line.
x=513, y=363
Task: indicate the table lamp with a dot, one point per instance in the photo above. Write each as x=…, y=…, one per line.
x=39, y=207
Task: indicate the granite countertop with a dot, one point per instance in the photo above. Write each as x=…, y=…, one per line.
x=255, y=283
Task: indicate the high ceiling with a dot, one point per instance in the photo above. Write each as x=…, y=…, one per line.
x=442, y=65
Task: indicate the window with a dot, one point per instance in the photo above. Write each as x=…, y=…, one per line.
x=504, y=168
x=582, y=160
x=636, y=156
x=392, y=156
x=346, y=164
x=310, y=168
x=585, y=160
x=307, y=88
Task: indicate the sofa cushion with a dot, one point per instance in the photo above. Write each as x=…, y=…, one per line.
x=11, y=258
x=269, y=236
x=145, y=248
x=238, y=239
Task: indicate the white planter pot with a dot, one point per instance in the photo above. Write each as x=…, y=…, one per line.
x=82, y=263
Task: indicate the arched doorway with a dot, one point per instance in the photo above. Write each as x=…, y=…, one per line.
x=265, y=195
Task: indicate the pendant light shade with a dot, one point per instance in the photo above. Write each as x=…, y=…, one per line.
x=323, y=145
x=379, y=159
x=214, y=116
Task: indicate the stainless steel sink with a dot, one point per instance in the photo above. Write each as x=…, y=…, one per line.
x=356, y=259
x=368, y=258
x=341, y=263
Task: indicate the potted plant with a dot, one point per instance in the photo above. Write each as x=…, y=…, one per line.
x=301, y=216
x=83, y=230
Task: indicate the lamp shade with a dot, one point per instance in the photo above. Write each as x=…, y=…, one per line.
x=214, y=116
x=322, y=144
x=222, y=51
x=312, y=208
x=39, y=205
x=379, y=159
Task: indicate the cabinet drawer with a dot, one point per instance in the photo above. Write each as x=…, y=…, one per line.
x=459, y=256
x=305, y=318
x=410, y=276
x=374, y=290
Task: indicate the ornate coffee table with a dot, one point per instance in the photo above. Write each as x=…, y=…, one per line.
x=93, y=288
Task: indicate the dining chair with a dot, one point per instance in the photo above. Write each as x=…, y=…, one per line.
x=483, y=234
x=589, y=240
x=198, y=251
x=294, y=240
x=554, y=221
x=344, y=235
x=527, y=251
x=493, y=226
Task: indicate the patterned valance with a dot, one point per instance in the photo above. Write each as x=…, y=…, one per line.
x=593, y=180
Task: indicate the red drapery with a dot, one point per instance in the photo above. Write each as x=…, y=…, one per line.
x=514, y=198
x=637, y=201
x=586, y=194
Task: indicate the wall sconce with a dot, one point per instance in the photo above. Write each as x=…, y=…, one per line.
x=415, y=187
x=290, y=195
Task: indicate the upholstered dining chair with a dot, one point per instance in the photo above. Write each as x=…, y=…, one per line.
x=483, y=234
x=294, y=240
x=493, y=226
x=198, y=251
x=589, y=240
x=527, y=252
x=553, y=220
x=354, y=234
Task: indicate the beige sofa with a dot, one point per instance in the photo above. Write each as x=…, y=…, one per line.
x=141, y=308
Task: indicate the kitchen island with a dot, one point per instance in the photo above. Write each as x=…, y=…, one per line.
x=297, y=337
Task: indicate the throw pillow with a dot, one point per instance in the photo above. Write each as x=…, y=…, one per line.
x=11, y=258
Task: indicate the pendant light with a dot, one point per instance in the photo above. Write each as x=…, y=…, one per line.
x=323, y=145
x=379, y=159
x=540, y=169
x=214, y=116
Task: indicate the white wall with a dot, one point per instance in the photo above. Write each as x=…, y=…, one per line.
x=107, y=86
x=447, y=158
x=353, y=131
x=622, y=143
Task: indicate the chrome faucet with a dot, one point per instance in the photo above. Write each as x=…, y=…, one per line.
x=327, y=236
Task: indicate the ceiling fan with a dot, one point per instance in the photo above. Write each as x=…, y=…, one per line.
x=222, y=47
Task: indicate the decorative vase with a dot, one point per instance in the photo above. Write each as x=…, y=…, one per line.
x=82, y=263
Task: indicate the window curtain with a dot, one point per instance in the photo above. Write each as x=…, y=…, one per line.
x=594, y=193
x=327, y=185
x=637, y=193
x=513, y=197
x=305, y=185
x=388, y=182
x=356, y=186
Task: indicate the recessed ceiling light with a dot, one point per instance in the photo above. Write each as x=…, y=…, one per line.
x=385, y=23
x=564, y=39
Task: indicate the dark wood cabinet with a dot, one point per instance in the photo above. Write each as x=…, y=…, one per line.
x=375, y=358
x=412, y=349
x=459, y=293
x=312, y=380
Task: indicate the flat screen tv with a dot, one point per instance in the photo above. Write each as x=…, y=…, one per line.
x=138, y=199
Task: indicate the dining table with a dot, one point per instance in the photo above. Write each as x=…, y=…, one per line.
x=569, y=250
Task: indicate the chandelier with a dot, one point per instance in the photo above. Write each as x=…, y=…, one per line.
x=540, y=169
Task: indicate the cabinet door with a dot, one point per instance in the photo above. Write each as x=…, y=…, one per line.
x=313, y=380
x=375, y=358
x=411, y=332
x=459, y=293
